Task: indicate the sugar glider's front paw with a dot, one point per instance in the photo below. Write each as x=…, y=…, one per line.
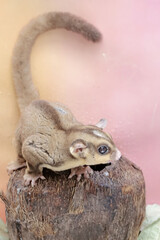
x=32, y=178
x=78, y=171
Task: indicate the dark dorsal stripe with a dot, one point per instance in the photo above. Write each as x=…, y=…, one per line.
x=48, y=111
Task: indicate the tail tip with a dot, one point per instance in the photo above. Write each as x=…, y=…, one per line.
x=92, y=33
x=96, y=36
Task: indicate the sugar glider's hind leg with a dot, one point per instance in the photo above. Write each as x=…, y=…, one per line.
x=13, y=166
x=20, y=162
x=30, y=177
x=36, y=150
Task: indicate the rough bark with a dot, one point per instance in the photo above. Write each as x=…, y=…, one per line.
x=110, y=205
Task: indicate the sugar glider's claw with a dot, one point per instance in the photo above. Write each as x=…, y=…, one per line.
x=78, y=171
x=31, y=179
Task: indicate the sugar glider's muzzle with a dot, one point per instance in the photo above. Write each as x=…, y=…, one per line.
x=116, y=155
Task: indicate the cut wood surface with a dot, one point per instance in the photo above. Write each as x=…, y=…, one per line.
x=110, y=205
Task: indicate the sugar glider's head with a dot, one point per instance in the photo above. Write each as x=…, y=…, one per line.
x=91, y=146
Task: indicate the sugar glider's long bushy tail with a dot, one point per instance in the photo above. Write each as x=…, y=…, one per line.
x=25, y=89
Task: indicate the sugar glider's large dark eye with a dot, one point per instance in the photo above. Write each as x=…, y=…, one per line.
x=103, y=149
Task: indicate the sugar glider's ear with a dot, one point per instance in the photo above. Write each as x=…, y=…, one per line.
x=102, y=123
x=79, y=149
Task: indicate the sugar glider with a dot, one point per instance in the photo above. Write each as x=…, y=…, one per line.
x=48, y=135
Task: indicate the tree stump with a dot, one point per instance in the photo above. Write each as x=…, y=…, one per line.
x=110, y=205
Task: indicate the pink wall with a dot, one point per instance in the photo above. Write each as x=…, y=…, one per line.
x=118, y=79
